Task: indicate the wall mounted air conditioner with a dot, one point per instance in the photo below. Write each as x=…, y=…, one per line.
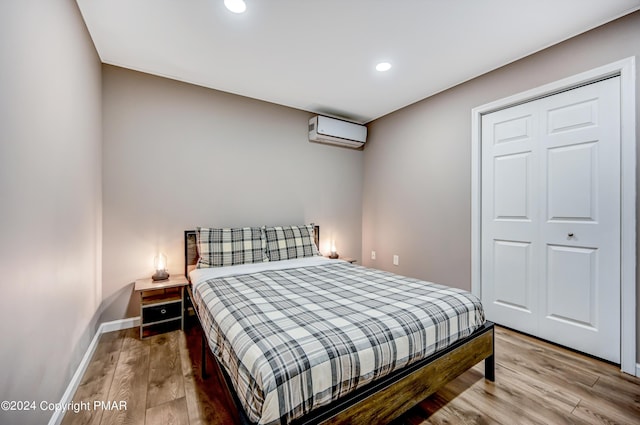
x=336, y=132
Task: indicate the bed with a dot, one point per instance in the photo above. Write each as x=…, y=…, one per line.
x=303, y=339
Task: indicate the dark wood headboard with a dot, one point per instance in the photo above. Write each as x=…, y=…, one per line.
x=190, y=251
x=191, y=248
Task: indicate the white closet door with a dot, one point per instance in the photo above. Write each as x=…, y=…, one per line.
x=551, y=218
x=510, y=223
x=580, y=288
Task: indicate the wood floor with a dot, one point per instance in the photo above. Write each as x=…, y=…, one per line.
x=536, y=383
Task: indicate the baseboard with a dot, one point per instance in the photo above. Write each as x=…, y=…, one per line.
x=105, y=327
x=118, y=325
x=638, y=370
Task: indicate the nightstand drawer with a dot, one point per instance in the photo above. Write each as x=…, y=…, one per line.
x=156, y=313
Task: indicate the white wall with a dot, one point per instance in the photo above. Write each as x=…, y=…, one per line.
x=417, y=172
x=50, y=199
x=177, y=156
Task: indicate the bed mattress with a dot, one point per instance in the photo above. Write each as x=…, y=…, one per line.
x=295, y=335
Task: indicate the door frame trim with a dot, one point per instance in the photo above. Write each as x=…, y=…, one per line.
x=625, y=68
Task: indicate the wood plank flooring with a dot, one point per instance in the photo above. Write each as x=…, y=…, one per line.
x=536, y=383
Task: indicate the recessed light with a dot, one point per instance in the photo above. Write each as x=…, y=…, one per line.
x=236, y=6
x=383, y=66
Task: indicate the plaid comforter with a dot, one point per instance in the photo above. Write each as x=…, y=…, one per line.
x=295, y=339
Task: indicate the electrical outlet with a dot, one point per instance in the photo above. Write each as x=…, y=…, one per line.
x=373, y=255
x=396, y=260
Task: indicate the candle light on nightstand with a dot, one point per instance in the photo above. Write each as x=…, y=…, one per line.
x=160, y=265
x=334, y=253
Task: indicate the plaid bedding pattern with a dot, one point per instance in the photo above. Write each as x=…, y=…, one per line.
x=289, y=242
x=295, y=339
x=228, y=247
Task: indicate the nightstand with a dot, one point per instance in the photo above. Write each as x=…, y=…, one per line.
x=161, y=304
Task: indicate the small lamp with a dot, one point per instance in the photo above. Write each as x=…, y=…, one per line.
x=160, y=265
x=333, y=253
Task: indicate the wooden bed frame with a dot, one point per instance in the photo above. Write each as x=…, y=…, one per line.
x=391, y=396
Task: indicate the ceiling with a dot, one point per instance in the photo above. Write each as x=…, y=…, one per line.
x=320, y=55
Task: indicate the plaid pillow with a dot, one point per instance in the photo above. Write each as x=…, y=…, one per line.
x=287, y=242
x=227, y=247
